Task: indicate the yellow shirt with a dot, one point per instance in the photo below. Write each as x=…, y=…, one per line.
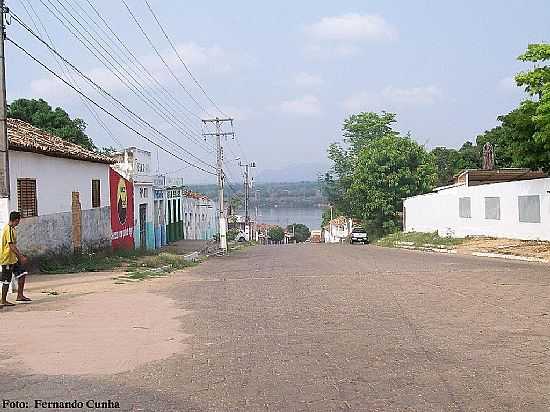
x=8, y=236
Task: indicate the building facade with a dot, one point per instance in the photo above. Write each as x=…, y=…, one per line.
x=61, y=190
x=135, y=165
x=517, y=209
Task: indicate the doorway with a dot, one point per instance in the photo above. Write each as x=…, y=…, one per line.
x=142, y=226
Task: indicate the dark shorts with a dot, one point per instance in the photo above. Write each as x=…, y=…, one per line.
x=16, y=270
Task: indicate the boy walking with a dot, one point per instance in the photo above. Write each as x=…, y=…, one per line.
x=12, y=261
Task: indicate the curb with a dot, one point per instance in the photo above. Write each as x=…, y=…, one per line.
x=441, y=249
x=510, y=257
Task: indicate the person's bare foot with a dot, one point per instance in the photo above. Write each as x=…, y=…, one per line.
x=23, y=299
x=6, y=303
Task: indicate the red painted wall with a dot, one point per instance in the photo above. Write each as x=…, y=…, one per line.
x=122, y=211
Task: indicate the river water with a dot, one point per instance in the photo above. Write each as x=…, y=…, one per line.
x=282, y=216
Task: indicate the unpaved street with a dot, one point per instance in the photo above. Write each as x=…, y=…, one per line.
x=307, y=327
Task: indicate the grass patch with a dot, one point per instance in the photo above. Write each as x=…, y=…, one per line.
x=418, y=239
x=105, y=262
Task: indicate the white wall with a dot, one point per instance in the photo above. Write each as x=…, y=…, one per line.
x=56, y=179
x=440, y=211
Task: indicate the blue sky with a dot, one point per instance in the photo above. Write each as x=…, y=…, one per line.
x=290, y=72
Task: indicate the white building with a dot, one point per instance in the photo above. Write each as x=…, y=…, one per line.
x=200, y=216
x=508, y=203
x=135, y=165
x=338, y=230
x=61, y=190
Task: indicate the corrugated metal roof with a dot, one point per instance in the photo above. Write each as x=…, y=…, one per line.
x=25, y=137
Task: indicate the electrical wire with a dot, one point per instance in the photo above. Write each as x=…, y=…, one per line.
x=162, y=58
x=181, y=59
x=122, y=122
x=102, y=90
x=107, y=60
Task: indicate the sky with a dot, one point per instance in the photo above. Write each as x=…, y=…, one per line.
x=289, y=73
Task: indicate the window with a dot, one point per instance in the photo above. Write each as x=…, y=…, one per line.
x=465, y=207
x=26, y=197
x=492, y=208
x=529, y=209
x=96, y=197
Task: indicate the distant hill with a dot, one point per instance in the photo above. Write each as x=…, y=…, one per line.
x=287, y=194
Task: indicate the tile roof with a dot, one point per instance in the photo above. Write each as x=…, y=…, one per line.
x=25, y=137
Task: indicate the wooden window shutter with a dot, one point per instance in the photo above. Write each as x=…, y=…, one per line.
x=96, y=193
x=26, y=197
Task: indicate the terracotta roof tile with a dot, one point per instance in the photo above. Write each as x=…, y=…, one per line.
x=25, y=137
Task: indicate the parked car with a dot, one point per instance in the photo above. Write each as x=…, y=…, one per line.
x=240, y=236
x=358, y=234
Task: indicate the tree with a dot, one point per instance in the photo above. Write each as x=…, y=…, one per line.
x=388, y=170
x=538, y=78
x=57, y=122
x=276, y=233
x=358, y=130
x=447, y=163
x=301, y=232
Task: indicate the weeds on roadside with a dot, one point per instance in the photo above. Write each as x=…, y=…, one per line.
x=418, y=239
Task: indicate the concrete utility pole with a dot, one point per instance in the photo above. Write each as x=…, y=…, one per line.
x=4, y=145
x=247, y=167
x=219, y=169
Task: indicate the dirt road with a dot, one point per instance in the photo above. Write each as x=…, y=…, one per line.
x=308, y=327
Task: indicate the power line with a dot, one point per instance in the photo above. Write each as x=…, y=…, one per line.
x=130, y=53
x=122, y=122
x=162, y=58
x=181, y=60
x=108, y=63
x=102, y=90
x=66, y=71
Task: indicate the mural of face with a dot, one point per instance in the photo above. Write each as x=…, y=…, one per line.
x=122, y=201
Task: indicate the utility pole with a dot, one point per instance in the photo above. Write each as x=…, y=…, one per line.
x=4, y=145
x=219, y=172
x=247, y=167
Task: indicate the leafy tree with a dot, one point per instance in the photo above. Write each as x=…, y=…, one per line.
x=276, y=233
x=57, y=122
x=358, y=130
x=301, y=232
x=388, y=170
x=538, y=78
x=447, y=162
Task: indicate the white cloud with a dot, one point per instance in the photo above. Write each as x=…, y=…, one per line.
x=238, y=113
x=303, y=106
x=308, y=80
x=343, y=36
x=393, y=97
x=203, y=61
x=416, y=96
x=352, y=27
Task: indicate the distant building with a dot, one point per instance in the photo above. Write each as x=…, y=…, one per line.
x=508, y=203
x=337, y=230
x=61, y=190
x=135, y=165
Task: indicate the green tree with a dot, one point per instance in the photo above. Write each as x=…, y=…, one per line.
x=276, y=233
x=301, y=232
x=447, y=163
x=57, y=122
x=358, y=130
x=535, y=80
x=388, y=170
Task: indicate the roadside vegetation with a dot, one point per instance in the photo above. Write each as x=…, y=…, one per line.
x=136, y=264
x=418, y=239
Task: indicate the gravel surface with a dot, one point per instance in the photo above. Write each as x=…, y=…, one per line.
x=333, y=327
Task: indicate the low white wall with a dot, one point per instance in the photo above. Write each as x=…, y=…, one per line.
x=56, y=179
x=440, y=211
